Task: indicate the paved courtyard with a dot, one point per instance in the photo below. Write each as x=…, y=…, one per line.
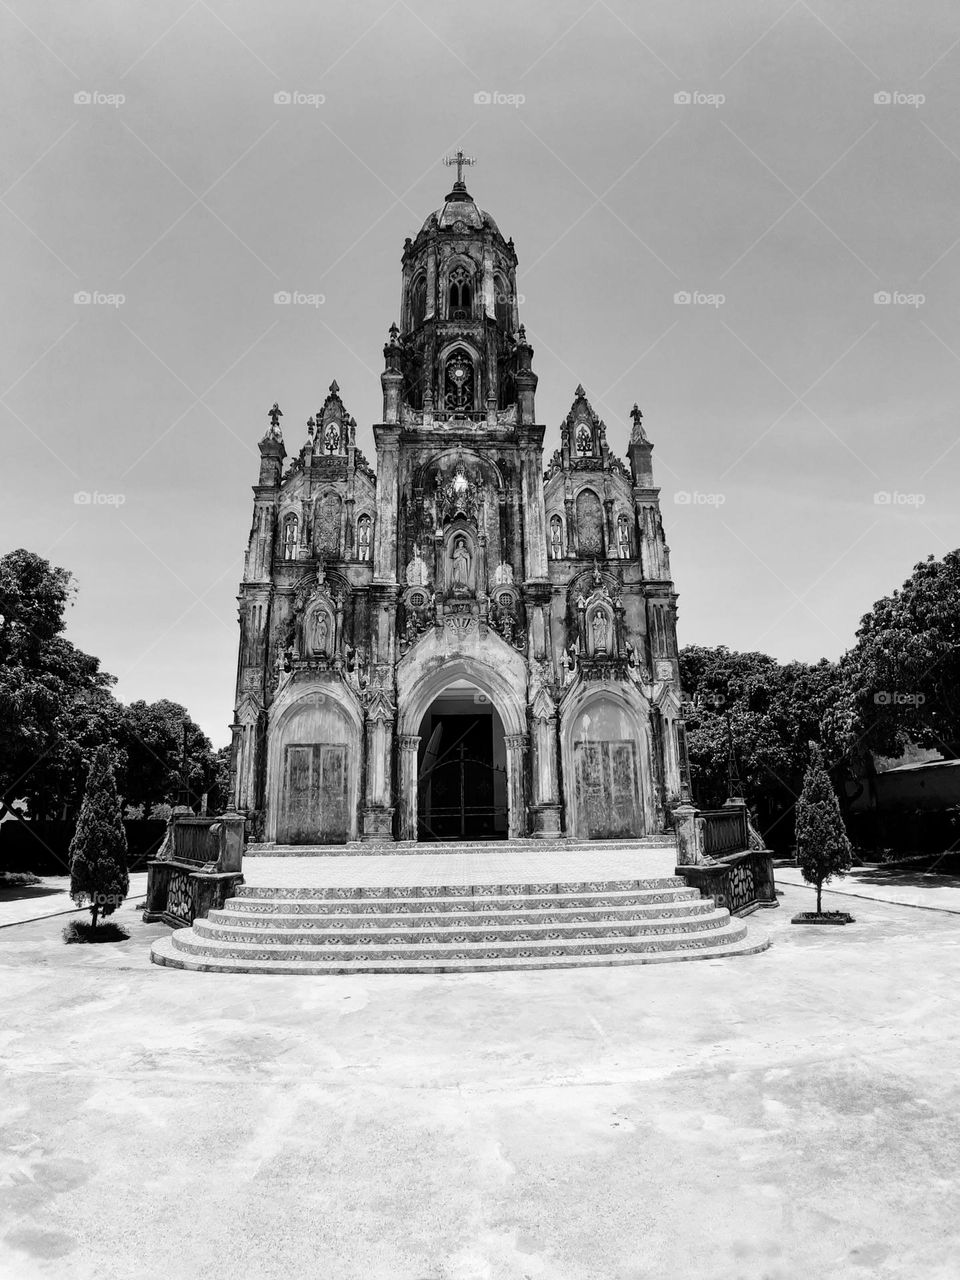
x=775, y=1117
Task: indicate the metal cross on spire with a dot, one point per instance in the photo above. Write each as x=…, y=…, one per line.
x=459, y=160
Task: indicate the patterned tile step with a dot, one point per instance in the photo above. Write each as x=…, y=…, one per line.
x=380, y=892
x=638, y=898
x=187, y=940
x=281, y=915
x=164, y=953
x=306, y=933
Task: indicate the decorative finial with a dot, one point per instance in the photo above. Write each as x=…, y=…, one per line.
x=310, y=426
x=522, y=333
x=459, y=160
x=275, y=414
x=638, y=433
x=334, y=389
x=394, y=334
x=580, y=391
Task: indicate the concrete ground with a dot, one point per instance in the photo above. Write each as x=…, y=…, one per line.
x=773, y=1117
x=51, y=897
x=908, y=888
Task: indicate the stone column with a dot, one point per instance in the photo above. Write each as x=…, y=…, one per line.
x=350, y=530
x=385, y=542
x=535, y=520
x=545, y=809
x=571, y=528
x=378, y=810
x=516, y=744
x=408, y=745
x=611, y=532
x=431, y=278
x=236, y=747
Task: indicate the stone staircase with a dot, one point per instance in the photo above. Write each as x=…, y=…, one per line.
x=527, y=923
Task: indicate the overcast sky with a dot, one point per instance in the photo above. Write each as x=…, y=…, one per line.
x=783, y=195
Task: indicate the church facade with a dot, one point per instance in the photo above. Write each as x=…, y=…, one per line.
x=465, y=644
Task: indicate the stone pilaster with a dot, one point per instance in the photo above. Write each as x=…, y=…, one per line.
x=516, y=744
x=408, y=746
x=545, y=806
x=385, y=542
x=377, y=816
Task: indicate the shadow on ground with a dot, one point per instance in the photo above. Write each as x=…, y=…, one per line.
x=19, y=892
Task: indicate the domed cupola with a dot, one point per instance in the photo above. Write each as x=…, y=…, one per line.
x=458, y=347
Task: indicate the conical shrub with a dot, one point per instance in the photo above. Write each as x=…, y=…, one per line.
x=98, y=850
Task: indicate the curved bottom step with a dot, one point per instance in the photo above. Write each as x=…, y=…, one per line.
x=163, y=952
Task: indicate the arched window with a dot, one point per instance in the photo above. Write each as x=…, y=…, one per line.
x=418, y=302
x=332, y=437
x=458, y=382
x=556, y=538
x=327, y=525
x=461, y=294
x=623, y=537
x=589, y=525
x=291, y=535
x=364, y=540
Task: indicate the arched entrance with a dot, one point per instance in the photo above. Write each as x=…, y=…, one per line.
x=462, y=788
x=494, y=686
x=312, y=778
x=605, y=751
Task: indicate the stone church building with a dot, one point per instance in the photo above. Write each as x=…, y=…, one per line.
x=466, y=643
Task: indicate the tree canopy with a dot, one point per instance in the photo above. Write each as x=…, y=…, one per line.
x=55, y=702
x=774, y=709
x=57, y=707
x=903, y=672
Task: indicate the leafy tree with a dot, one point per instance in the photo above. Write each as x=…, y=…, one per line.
x=221, y=786
x=774, y=711
x=55, y=702
x=903, y=673
x=151, y=735
x=98, y=850
x=823, y=850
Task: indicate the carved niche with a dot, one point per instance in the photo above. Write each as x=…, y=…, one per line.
x=460, y=563
x=318, y=613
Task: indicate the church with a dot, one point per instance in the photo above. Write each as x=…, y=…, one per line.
x=467, y=642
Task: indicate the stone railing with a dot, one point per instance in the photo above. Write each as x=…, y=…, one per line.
x=197, y=868
x=714, y=855
x=725, y=831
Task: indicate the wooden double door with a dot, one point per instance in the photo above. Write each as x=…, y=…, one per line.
x=314, y=794
x=606, y=795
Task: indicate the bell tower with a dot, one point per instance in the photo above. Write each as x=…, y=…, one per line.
x=459, y=347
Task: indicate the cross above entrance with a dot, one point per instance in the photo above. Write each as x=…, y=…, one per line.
x=459, y=160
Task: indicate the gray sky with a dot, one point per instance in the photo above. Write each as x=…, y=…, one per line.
x=781, y=410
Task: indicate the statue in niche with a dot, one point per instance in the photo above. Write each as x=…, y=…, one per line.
x=461, y=563
x=416, y=569
x=321, y=628
x=363, y=538
x=599, y=624
x=556, y=540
